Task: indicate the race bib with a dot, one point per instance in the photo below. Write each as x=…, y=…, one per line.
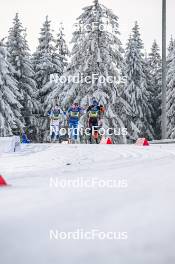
x=74, y=114
x=93, y=114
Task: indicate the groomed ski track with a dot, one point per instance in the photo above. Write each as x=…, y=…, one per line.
x=144, y=209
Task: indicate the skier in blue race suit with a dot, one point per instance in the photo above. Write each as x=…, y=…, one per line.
x=24, y=139
x=74, y=113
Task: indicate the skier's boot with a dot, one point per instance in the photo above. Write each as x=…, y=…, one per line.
x=58, y=139
x=52, y=137
x=95, y=136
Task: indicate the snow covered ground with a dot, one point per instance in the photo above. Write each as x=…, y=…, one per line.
x=141, y=204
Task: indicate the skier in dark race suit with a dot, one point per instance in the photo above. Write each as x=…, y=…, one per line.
x=95, y=113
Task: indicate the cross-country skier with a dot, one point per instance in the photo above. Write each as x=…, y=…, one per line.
x=24, y=138
x=74, y=113
x=95, y=113
x=56, y=118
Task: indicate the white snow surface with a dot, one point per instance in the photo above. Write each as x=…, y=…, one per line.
x=30, y=208
x=9, y=144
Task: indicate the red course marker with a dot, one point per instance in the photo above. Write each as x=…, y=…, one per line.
x=109, y=141
x=2, y=182
x=142, y=142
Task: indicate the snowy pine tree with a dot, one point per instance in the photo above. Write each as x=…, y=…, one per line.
x=136, y=91
x=154, y=66
x=46, y=61
x=96, y=65
x=170, y=51
x=20, y=59
x=171, y=45
x=9, y=105
x=42, y=58
x=47, y=64
x=171, y=90
x=62, y=48
x=61, y=53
